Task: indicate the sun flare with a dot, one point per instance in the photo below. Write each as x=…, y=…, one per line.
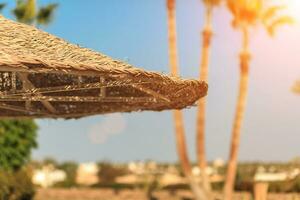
x=293, y=7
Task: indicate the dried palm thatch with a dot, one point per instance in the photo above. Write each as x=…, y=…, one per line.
x=43, y=76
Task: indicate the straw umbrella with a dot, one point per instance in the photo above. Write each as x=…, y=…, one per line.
x=62, y=80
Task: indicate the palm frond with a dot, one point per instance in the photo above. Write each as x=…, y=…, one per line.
x=19, y=10
x=245, y=11
x=251, y=12
x=271, y=12
x=281, y=21
x=45, y=14
x=232, y=6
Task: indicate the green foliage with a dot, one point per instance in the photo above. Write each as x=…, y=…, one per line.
x=45, y=14
x=17, y=139
x=244, y=177
x=108, y=172
x=49, y=161
x=295, y=161
x=175, y=187
x=296, y=187
x=116, y=186
x=16, y=185
x=19, y=11
x=151, y=187
x=26, y=11
x=71, y=169
x=2, y=6
x=218, y=186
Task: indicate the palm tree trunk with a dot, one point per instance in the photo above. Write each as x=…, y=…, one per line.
x=172, y=37
x=201, y=112
x=239, y=116
x=178, y=118
x=198, y=192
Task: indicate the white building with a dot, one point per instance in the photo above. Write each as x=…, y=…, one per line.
x=48, y=176
x=218, y=163
x=196, y=171
x=172, y=179
x=262, y=176
x=87, y=174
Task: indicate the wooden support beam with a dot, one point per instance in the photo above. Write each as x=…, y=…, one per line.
x=68, y=88
x=150, y=92
x=90, y=73
x=13, y=81
x=29, y=85
x=81, y=99
x=102, y=89
x=79, y=80
x=20, y=109
x=27, y=103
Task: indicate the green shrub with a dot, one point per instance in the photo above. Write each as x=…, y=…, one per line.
x=296, y=187
x=16, y=185
x=177, y=187
x=108, y=172
x=70, y=168
x=17, y=139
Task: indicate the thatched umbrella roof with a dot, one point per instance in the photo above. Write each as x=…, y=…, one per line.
x=44, y=76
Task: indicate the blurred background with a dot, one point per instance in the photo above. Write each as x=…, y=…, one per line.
x=138, y=150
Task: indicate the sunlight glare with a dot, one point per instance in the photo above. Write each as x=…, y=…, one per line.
x=293, y=7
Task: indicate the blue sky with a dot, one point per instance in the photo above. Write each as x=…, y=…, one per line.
x=135, y=31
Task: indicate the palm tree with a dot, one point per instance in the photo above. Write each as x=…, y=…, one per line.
x=178, y=118
x=2, y=6
x=206, y=46
x=246, y=14
x=26, y=11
